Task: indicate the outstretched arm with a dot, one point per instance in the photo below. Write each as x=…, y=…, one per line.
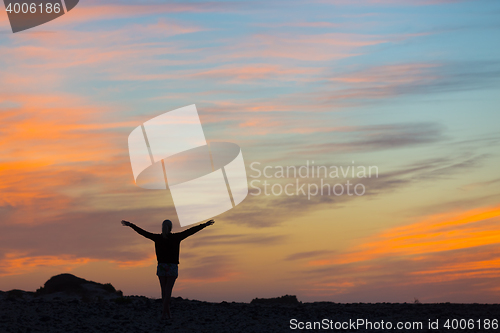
x=137, y=229
x=188, y=232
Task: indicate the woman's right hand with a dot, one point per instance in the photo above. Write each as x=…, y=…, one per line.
x=209, y=223
x=126, y=223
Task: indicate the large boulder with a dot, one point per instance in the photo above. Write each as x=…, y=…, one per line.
x=73, y=285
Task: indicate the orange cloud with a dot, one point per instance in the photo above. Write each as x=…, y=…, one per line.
x=445, y=251
x=18, y=263
x=51, y=141
x=14, y=264
x=440, y=233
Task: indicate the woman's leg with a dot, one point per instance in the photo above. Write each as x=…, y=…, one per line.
x=168, y=293
x=167, y=284
x=163, y=285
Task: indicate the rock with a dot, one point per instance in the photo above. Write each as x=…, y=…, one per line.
x=73, y=285
x=287, y=299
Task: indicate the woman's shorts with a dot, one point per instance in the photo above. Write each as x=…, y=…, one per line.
x=167, y=270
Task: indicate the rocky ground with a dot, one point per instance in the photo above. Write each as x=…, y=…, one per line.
x=107, y=311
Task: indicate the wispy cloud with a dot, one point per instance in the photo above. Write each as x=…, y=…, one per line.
x=314, y=47
x=449, y=247
x=97, y=11
x=383, y=137
x=232, y=239
x=12, y=264
x=392, y=2
x=307, y=255
x=42, y=151
x=257, y=72
x=440, y=233
x=275, y=210
x=409, y=79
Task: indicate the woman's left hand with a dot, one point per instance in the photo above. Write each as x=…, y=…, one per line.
x=209, y=223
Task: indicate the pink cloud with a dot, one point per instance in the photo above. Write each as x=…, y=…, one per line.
x=391, y=74
x=304, y=47
x=94, y=11
x=258, y=72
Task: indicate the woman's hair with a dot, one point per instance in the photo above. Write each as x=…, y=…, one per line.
x=166, y=228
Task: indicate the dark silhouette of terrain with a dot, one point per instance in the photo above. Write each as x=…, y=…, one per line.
x=67, y=303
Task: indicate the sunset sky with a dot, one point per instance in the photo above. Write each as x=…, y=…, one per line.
x=407, y=86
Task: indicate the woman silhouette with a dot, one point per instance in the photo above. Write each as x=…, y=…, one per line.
x=167, y=247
